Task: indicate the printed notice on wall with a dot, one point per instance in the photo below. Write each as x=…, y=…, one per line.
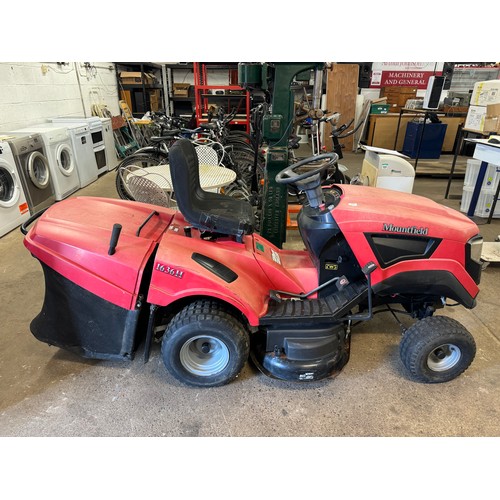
x=475, y=118
x=376, y=78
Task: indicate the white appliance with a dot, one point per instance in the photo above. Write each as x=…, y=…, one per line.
x=96, y=131
x=109, y=142
x=14, y=208
x=86, y=164
x=387, y=169
x=62, y=164
x=33, y=170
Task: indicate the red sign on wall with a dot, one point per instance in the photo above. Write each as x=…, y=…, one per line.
x=417, y=79
x=404, y=74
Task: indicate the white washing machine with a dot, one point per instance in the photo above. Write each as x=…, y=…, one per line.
x=109, y=142
x=33, y=170
x=59, y=150
x=83, y=151
x=14, y=208
x=96, y=131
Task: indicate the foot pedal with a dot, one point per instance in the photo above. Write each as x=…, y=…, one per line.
x=326, y=309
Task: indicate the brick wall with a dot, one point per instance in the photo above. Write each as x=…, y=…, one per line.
x=32, y=92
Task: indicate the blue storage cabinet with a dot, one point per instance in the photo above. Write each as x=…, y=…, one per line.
x=432, y=141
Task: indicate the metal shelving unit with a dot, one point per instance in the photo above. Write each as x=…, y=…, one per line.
x=141, y=96
x=232, y=96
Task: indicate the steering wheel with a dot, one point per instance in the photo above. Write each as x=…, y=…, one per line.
x=290, y=176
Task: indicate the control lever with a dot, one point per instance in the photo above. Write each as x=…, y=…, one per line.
x=367, y=269
x=115, y=234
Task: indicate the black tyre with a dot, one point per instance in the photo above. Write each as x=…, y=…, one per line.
x=204, y=345
x=243, y=164
x=241, y=134
x=437, y=349
x=140, y=160
x=240, y=141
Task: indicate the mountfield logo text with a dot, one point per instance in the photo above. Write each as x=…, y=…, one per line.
x=421, y=231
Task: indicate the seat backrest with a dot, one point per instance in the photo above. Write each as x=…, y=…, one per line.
x=142, y=185
x=207, y=155
x=206, y=211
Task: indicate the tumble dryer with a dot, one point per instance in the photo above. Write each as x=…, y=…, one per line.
x=96, y=132
x=13, y=206
x=59, y=152
x=33, y=169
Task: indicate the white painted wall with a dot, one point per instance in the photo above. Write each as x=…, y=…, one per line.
x=32, y=92
x=214, y=76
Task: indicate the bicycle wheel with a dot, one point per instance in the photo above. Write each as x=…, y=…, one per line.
x=241, y=135
x=242, y=162
x=239, y=143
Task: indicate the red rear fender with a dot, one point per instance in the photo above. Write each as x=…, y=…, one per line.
x=226, y=270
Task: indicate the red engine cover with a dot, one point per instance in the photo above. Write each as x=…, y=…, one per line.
x=375, y=210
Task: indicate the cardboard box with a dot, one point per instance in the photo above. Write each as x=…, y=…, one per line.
x=492, y=118
x=491, y=124
x=484, y=93
x=181, y=89
x=154, y=100
x=135, y=77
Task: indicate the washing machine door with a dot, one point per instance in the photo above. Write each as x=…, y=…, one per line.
x=38, y=170
x=9, y=187
x=64, y=159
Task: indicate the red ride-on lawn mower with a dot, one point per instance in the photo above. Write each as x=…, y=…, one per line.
x=120, y=273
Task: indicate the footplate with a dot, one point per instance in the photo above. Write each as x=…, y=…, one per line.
x=336, y=305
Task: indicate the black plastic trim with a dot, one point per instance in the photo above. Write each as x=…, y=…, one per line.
x=25, y=224
x=431, y=283
x=278, y=365
x=75, y=319
x=417, y=247
x=215, y=267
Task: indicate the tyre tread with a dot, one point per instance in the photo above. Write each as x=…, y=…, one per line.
x=425, y=332
x=203, y=310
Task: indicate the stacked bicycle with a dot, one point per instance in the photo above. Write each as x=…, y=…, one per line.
x=233, y=149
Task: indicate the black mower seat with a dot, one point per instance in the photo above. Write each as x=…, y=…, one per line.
x=205, y=211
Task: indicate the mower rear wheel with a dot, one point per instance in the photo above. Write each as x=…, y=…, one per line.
x=204, y=345
x=437, y=349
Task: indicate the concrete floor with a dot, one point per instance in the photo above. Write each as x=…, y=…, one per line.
x=46, y=391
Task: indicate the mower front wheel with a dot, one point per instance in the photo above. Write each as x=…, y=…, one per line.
x=204, y=345
x=437, y=349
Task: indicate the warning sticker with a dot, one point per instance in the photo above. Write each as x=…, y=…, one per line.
x=275, y=256
x=330, y=266
x=23, y=208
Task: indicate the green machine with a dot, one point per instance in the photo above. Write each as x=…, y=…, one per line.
x=276, y=78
